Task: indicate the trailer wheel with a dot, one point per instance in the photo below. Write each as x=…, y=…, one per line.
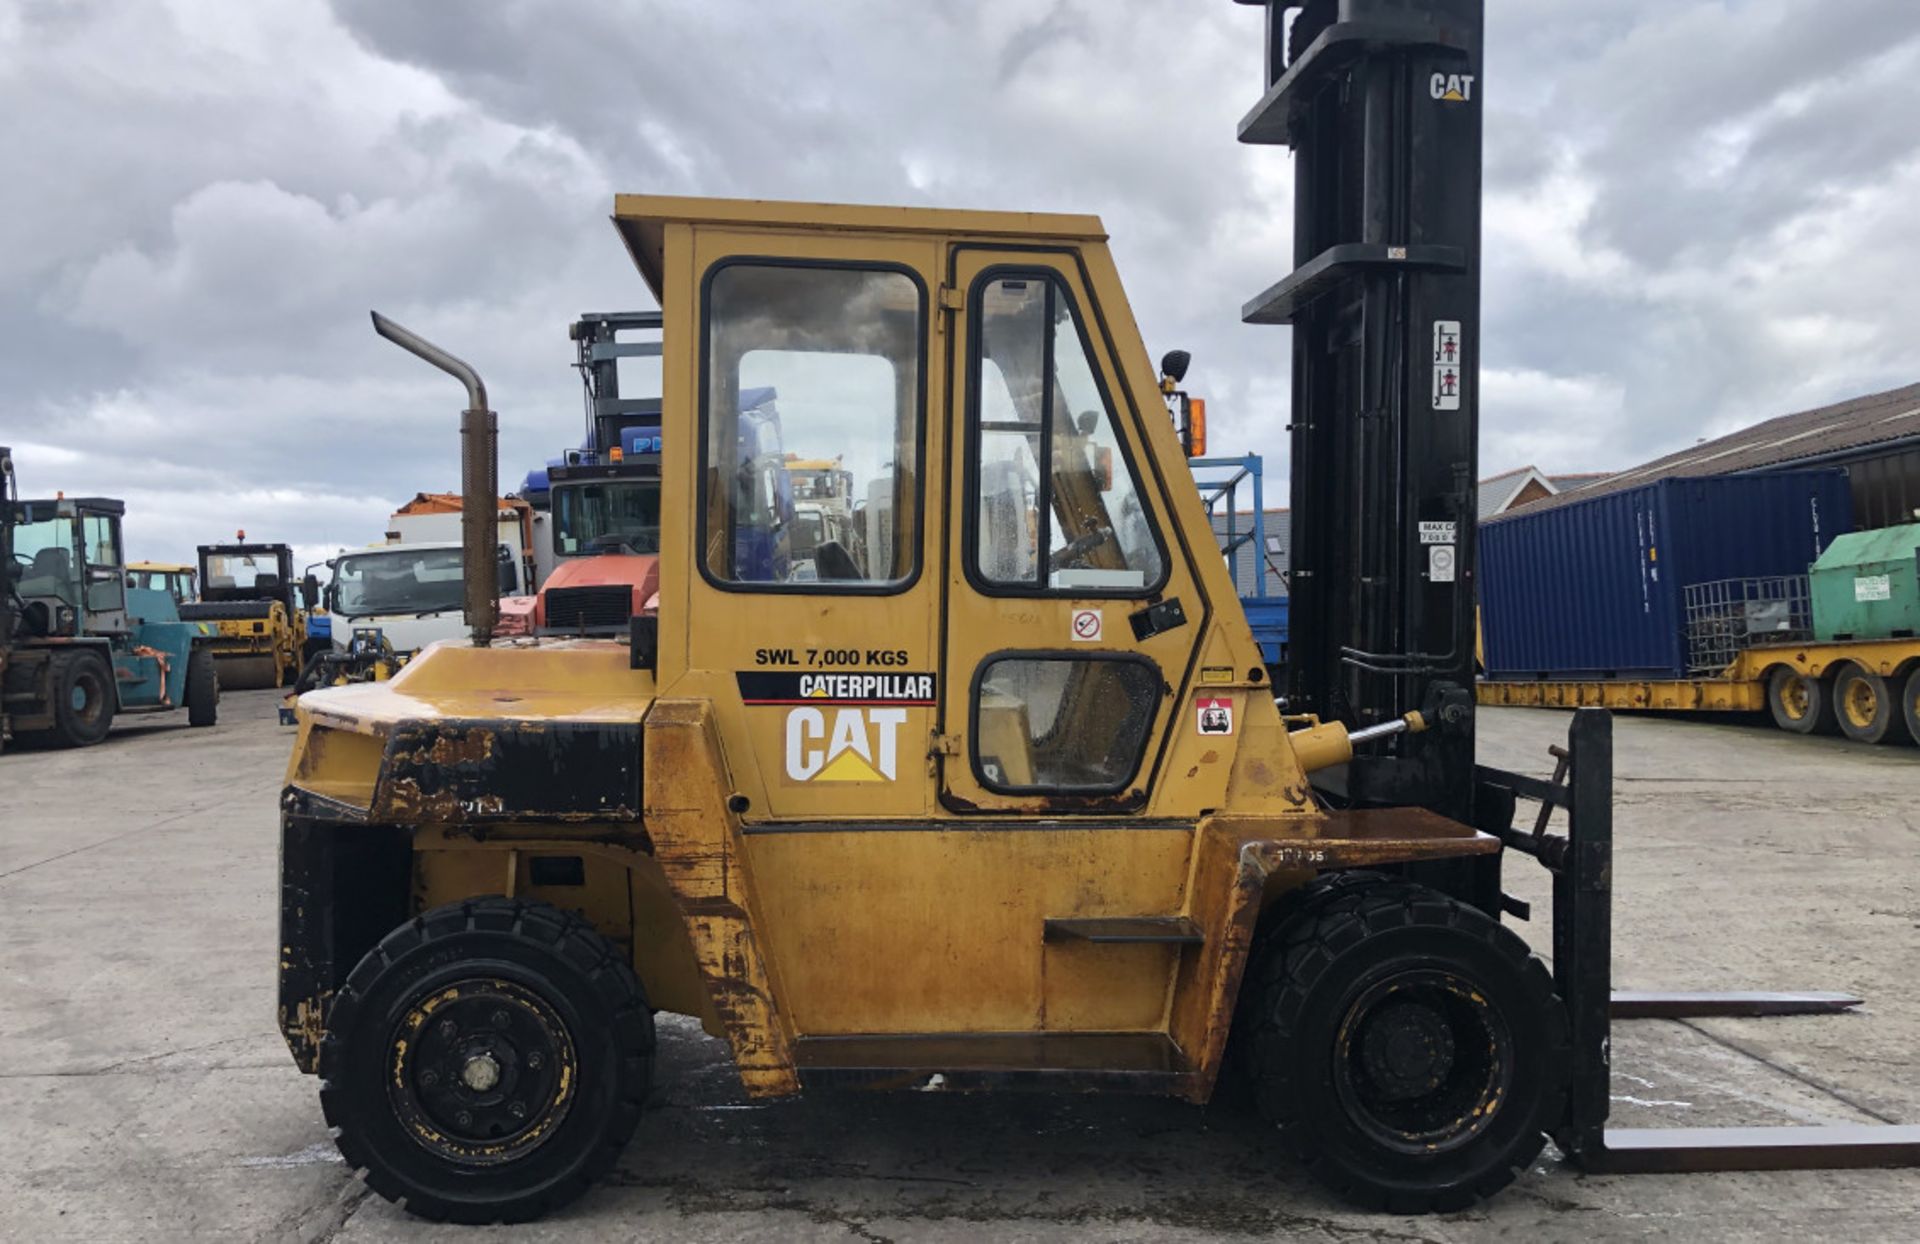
x=1800, y=703
x=487, y=1061
x=1910, y=705
x=1869, y=711
x=83, y=699
x=1409, y=1048
x=203, y=688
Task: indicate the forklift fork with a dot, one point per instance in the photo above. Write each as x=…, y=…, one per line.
x=1582, y=866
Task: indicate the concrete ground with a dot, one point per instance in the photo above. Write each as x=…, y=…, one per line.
x=144, y=1093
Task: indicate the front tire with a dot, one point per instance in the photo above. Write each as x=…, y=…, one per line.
x=203, y=689
x=1410, y=1049
x=487, y=1061
x=83, y=699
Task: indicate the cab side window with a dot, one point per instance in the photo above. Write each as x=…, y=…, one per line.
x=103, y=540
x=812, y=414
x=1060, y=722
x=1057, y=506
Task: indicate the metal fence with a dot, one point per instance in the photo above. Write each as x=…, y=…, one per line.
x=1728, y=616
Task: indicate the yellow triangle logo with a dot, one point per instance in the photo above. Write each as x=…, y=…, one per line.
x=1455, y=97
x=849, y=766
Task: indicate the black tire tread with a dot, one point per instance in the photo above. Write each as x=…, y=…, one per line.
x=1331, y=915
x=203, y=688
x=572, y=939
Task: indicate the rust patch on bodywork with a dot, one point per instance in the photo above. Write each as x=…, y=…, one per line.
x=698, y=845
x=442, y=770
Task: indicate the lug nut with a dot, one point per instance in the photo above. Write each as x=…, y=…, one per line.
x=429, y=1078
x=449, y=1029
x=500, y=1019
x=518, y=1110
x=533, y=1060
x=463, y=1118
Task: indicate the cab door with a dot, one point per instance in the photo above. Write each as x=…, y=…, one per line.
x=816, y=646
x=1072, y=620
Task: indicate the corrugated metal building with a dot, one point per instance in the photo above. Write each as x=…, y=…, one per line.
x=1279, y=533
x=1875, y=438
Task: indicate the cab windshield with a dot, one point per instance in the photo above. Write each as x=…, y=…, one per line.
x=46, y=560
x=399, y=581
x=607, y=517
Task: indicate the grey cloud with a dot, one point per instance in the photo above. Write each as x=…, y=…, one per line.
x=1698, y=212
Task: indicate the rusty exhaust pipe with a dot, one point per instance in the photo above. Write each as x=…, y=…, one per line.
x=479, y=481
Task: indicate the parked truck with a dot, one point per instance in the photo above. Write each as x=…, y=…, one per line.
x=1717, y=594
x=78, y=645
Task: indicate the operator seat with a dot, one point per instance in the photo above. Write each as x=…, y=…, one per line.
x=832, y=561
x=51, y=574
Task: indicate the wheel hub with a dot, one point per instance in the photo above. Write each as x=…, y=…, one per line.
x=482, y=1071
x=1408, y=1050
x=1423, y=1061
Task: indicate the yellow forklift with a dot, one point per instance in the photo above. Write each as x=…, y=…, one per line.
x=1012, y=805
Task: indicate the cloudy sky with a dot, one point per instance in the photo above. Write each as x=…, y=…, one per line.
x=1699, y=213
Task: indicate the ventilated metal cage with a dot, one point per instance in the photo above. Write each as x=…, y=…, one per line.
x=1727, y=616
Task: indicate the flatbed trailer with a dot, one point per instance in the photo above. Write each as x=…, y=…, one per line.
x=1868, y=689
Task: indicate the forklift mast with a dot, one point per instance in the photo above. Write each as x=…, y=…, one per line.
x=6, y=552
x=1380, y=101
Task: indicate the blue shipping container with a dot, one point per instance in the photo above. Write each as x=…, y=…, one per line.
x=1596, y=589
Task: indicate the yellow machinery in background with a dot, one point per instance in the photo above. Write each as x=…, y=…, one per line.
x=249, y=596
x=174, y=578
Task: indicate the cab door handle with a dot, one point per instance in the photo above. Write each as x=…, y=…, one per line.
x=1165, y=615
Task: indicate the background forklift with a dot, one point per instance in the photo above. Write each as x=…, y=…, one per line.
x=77, y=645
x=1008, y=806
x=249, y=597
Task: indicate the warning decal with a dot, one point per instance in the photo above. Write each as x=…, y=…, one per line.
x=1448, y=352
x=1087, y=626
x=1214, y=716
x=1873, y=587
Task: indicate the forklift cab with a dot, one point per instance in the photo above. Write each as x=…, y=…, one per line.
x=67, y=568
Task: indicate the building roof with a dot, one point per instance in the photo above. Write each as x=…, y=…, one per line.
x=1857, y=424
x=1497, y=492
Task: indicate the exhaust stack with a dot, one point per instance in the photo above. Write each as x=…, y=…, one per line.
x=479, y=481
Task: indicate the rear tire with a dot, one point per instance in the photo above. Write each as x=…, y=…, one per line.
x=83, y=699
x=1800, y=703
x=1409, y=1048
x=203, y=689
x=1869, y=711
x=1910, y=705
x=487, y=1061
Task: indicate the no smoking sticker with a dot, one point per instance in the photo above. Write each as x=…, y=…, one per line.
x=1214, y=716
x=1086, y=626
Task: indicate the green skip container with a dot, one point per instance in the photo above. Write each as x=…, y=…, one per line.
x=1867, y=585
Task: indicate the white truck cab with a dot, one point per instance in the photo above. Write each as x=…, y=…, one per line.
x=410, y=592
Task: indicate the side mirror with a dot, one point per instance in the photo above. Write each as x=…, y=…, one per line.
x=332, y=597
x=309, y=592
